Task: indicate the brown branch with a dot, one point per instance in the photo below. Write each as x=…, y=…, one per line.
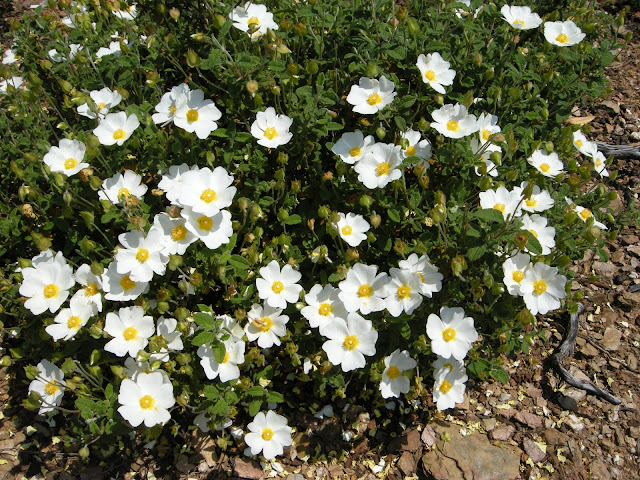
x=619, y=151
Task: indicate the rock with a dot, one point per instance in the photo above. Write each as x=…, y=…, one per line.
x=617, y=256
x=469, y=457
x=407, y=463
x=489, y=424
x=529, y=419
x=614, y=106
x=630, y=239
x=611, y=339
x=599, y=470
x=502, y=433
x=247, y=469
x=92, y=473
x=574, y=423
x=568, y=403
x=554, y=437
x=533, y=450
x=409, y=441
x=632, y=361
x=428, y=436
x=604, y=269
x=183, y=465
x=294, y=476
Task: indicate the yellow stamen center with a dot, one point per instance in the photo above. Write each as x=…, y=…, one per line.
x=539, y=287
x=263, y=324
x=126, y=283
x=530, y=202
x=383, y=169
x=350, y=342
x=393, y=372
x=178, y=233
x=449, y=366
x=277, y=287
x=410, y=151
x=130, y=333
x=208, y=196
x=226, y=357
x=51, y=388
x=598, y=162
x=147, y=402
x=579, y=143
x=355, y=152
x=325, y=309
x=445, y=387
x=123, y=192
x=585, y=213
x=517, y=275
x=430, y=75
x=270, y=133
x=449, y=335
x=453, y=125
x=365, y=291
x=74, y=322
x=518, y=22
x=267, y=434
x=253, y=21
x=91, y=289
x=346, y=230
x=545, y=167
x=69, y=163
x=192, y=116
x=421, y=277
x=172, y=109
x=205, y=223
x=118, y=134
x=562, y=38
x=51, y=290
x=142, y=255
x=374, y=99
x=485, y=134
x=101, y=105
x=500, y=207
x=533, y=232
x=404, y=292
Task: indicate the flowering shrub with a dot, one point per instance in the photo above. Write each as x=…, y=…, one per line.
x=206, y=207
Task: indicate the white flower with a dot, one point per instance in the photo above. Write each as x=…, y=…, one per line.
x=213, y=230
x=514, y=269
x=118, y=188
x=370, y=95
x=134, y=367
x=403, y=292
x=49, y=384
x=176, y=237
x=116, y=128
x=278, y=287
x=350, y=341
x=206, y=191
x=114, y=49
x=128, y=13
x=104, y=99
x=323, y=307
x=268, y=434
x=233, y=327
x=320, y=254
x=13, y=82
x=363, y=289
x=228, y=368
x=451, y=333
x=166, y=328
x=195, y=114
x=379, y=165
x=57, y=56
x=583, y=145
x=435, y=71
x=430, y=277
x=270, y=129
x=542, y=288
x=147, y=400
x=448, y=388
x=449, y=364
x=521, y=18
x=563, y=34
x=501, y=199
x=254, y=19
x=66, y=157
x=352, y=228
x=141, y=256
x=539, y=201
x=487, y=149
x=352, y=146
x=266, y=324
x=47, y=285
x=92, y=285
x=70, y=320
x=120, y=287
x=131, y=330
x=453, y=121
x=394, y=382
x=585, y=214
x=537, y=226
x=10, y=56
x=547, y=164
x=417, y=147
x=487, y=126
x=598, y=158
x=171, y=181
x=169, y=104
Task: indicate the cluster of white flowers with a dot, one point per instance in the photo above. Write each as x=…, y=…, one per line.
x=561, y=34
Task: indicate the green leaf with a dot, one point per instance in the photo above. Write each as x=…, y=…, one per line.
x=219, y=350
x=256, y=391
x=274, y=397
x=220, y=408
x=474, y=253
x=239, y=263
x=204, y=320
x=202, y=338
x=489, y=215
x=293, y=219
x=533, y=245
x=394, y=215
x=254, y=407
x=500, y=374
x=211, y=392
x=397, y=53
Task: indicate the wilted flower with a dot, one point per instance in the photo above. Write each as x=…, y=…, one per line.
x=14, y=82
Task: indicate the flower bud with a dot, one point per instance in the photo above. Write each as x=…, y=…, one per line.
x=423, y=125
x=381, y=132
x=283, y=215
x=489, y=73
x=193, y=59
x=366, y=201
x=412, y=26
x=351, y=255
x=300, y=29
x=252, y=87
x=312, y=67
x=218, y=21
x=375, y=220
x=293, y=69
x=175, y=262
x=372, y=70
x=458, y=265
x=174, y=13
x=476, y=59
x=296, y=186
x=324, y=211
x=88, y=218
